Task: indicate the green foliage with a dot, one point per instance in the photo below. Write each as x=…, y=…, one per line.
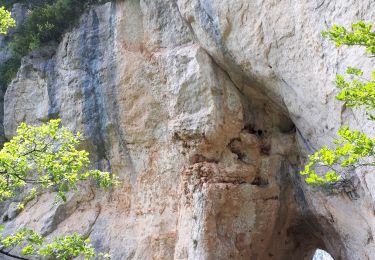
x=27, y=239
x=61, y=247
x=45, y=156
x=68, y=247
x=32, y=194
x=349, y=151
x=357, y=92
x=46, y=22
x=6, y=20
x=8, y=70
x=360, y=34
x=353, y=148
x=32, y=3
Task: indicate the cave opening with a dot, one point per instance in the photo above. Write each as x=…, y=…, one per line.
x=321, y=254
x=297, y=232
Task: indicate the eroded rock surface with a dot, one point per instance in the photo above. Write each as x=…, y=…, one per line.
x=205, y=110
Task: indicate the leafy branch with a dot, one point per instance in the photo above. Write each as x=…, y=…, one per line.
x=352, y=149
x=62, y=247
x=46, y=156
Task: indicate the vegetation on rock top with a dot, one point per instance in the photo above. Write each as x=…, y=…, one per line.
x=46, y=22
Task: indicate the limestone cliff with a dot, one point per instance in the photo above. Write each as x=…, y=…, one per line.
x=205, y=109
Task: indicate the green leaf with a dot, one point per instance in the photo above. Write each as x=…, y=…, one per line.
x=6, y=20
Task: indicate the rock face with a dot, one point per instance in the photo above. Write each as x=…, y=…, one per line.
x=18, y=14
x=205, y=110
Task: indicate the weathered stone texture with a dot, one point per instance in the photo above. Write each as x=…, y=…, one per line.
x=204, y=109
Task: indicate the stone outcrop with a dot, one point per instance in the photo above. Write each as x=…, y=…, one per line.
x=205, y=110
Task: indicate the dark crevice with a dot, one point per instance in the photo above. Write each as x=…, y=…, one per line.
x=240, y=154
x=198, y=158
x=260, y=181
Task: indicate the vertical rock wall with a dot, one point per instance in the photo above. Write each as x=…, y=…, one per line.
x=203, y=109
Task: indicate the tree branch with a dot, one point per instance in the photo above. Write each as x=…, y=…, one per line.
x=11, y=255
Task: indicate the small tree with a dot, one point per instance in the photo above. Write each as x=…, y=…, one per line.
x=6, y=20
x=39, y=159
x=353, y=148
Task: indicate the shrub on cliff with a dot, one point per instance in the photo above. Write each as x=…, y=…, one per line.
x=9, y=3
x=353, y=148
x=8, y=70
x=47, y=21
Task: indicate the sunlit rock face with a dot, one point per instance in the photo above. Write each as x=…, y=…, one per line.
x=205, y=110
x=321, y=255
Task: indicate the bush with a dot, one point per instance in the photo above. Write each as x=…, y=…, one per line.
x=47, y=22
